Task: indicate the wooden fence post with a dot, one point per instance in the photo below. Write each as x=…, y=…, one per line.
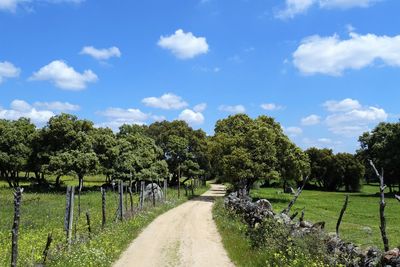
x=165, y=190
x=88, y=223
x=130, y=195
x=121, y=200
x=341, y=214
x=179, y=181
x=69, y=212
x=142, y=185
x=15, y=227
x=103, y=207
x=382, y=206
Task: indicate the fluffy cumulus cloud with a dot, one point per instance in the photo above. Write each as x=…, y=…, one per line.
x=19, y=108
x=8, y=70
x=166, y=101
x=332, y=55
x=191, y=117
x=232, y=109
x=200, y=107
x=11, y=5
x=352, y=119
x=101, y=54
x=271, y=106
x=64, y=76
x=57, y=106
x=184, y=45
x=295, y=7
x=311, y=120
x=343, y=105
x=119, y=116
x=293, y=131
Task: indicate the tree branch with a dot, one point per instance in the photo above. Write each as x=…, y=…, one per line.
x=299, y=190
x=382, y=207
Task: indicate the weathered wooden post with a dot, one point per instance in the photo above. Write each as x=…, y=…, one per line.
x=141, y=200
x=69, y=213
x=130, y=195
x=192, y=182
x=341, y=214
x=121, y=200
x=88, y=223
x=179, y=181
x=165, y=189
x=299, y=190
x=15, y=227
x=79, y=201
x=46, y=249
x=103, y=207
x=382, y=205
x=126, y=198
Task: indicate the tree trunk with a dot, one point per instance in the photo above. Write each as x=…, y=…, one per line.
x=58, y=180
x=80, y=177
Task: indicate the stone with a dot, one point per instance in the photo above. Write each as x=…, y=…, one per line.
x=264, y=204
x=148, y=192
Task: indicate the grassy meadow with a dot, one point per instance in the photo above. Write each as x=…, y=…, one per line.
x=43, y=213
x=361, y=221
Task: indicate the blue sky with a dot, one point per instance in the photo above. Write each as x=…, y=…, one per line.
x=327, y=70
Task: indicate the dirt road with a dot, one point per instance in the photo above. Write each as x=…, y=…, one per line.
x=183, y=236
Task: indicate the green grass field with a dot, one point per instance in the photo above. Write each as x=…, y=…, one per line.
x=361, y=221
x=43, y=213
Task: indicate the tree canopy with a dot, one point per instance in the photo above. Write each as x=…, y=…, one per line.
x=381, y=145
x=245, y=150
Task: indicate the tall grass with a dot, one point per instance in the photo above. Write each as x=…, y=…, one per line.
x=43, y=213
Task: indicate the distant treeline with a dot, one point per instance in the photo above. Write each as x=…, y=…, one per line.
x=241, y=151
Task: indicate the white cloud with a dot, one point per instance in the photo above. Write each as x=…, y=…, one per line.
x=119, y=116
x=310, y=120
x=64, y=76
x=207, y=69
x=295, y=7
x=191, y=117
x=20, y=108
x=57, y=106
x=8, y=70
x=158, y=118
x=166, y=101
x=325, y=140
x=352, y=119
x=271, y=106
x=346, y=3
x=332, y=56
x=343, y=105
x=11, y=5
x=101, y=54
x=200, y=107
x=184, y=45
x=232, y=109
x=293, y=131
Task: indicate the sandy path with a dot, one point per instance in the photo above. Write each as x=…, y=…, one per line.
x=183, y=236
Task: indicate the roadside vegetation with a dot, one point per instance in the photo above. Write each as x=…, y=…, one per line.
x=273, y=249
x=43, y=213
x=360, y=222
